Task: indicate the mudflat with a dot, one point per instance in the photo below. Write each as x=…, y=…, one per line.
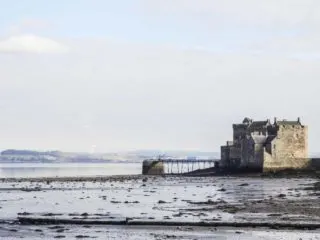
x=140, y=207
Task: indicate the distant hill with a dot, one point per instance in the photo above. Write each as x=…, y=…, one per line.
x=29, y=152
x=20, y=156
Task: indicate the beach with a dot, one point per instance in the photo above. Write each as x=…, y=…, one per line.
x=160, y=207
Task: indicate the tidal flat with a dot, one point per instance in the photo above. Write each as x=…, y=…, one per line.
x=140, y=207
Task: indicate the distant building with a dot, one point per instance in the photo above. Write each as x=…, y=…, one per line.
x=265, y=146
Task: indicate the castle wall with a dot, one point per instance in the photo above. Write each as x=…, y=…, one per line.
x=239, y=131
x=256, y=160
x=251, y=154
x=235, y=156
x=291, y=142
x=224, y=158
x=235, y=152
x=230, y=156
x=245, y=153
x=276, y=164
x=289, y=150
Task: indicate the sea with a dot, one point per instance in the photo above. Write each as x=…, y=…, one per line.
x=84, y=169
x=34, y=170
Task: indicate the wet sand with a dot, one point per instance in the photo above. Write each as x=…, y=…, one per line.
x=179, y=206
x=143, y=233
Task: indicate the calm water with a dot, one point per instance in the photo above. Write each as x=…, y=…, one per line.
x=8, y=170
x=16, y=170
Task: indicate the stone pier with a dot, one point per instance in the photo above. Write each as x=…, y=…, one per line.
x=152, y=167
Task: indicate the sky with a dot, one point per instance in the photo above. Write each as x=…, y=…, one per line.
x=100, y=75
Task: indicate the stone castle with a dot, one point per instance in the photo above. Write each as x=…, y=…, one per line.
x=258, y=146
x=266, y=146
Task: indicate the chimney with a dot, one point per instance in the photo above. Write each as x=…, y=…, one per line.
x=275, y=120
x=299, y=120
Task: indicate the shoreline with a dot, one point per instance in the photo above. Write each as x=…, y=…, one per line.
x=100, y=178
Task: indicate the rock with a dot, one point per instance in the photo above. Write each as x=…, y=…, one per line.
x=51, y=214
x=281, y=195
x=170, y=236
x=56, y=227
x=244, y=184
x=274, y=215
x=25, y=213
x=82, y=236
x=275, y=227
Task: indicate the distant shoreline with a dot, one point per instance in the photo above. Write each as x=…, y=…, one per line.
x=120, y=178
x=75, y=179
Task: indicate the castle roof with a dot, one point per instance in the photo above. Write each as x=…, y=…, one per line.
x=247, y=120
x=285, y=122
x=258, y=124
x=240, y=125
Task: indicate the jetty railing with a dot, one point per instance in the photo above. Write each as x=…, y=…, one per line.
x=179, y=166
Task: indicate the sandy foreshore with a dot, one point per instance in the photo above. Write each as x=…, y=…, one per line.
x=112, y=178
x=274, y=203
x=270, y=175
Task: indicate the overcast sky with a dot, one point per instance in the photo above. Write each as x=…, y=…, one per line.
x=83, y=75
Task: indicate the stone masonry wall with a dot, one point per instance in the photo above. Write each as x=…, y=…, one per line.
x=224, y=158
x=291, y=142
x=257, y=161
x=156, y=168
x=272, y=164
